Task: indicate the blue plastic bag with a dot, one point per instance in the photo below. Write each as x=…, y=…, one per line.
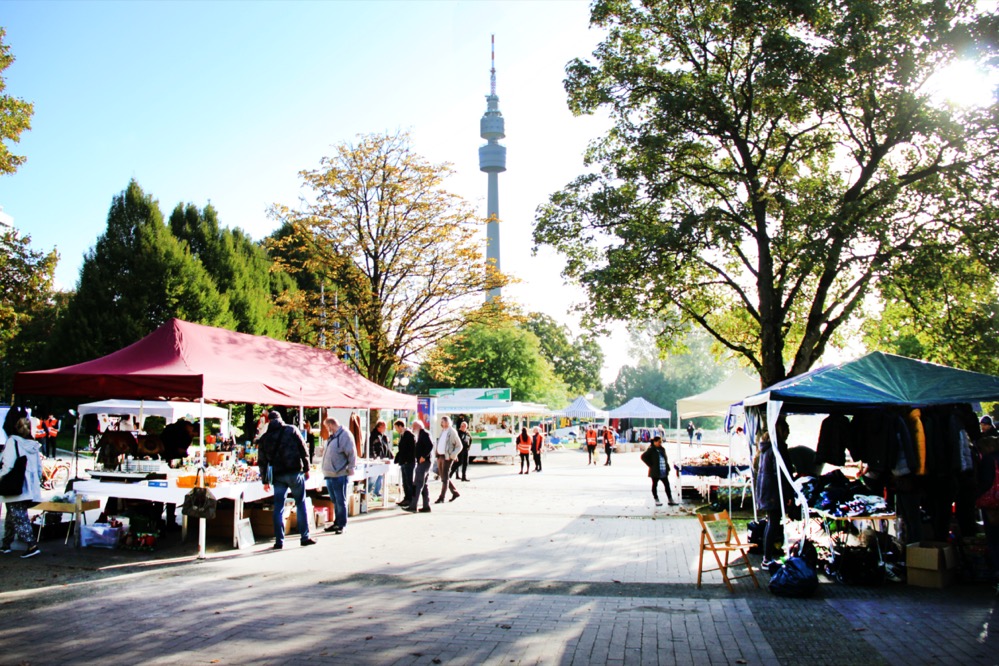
x=794, y=579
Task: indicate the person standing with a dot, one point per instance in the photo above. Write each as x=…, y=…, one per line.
x=524, y=449
x=16, y=523
x=698, y=434
x=460, y=467
x=988, y=448
x=424, y=449
x=608, y=444
x=769, y=493
x=537, y=441
x=447, y=450
x=378, y=449
x=591, y=445
x=284, y=463
x=405, y=458
x=339, y=461
x=655, y=458
x=690, y=432
x=46, y=432
x=310, y=441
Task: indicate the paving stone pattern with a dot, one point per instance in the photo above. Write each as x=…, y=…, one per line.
x=563, y=567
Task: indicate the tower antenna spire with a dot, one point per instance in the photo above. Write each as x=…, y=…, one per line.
x=492, y=70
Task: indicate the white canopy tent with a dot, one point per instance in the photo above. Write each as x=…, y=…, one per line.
x=639, y=408
x=716, y=401
x=582, y=409
x=170, y=410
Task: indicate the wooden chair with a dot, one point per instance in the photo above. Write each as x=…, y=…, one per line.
x=728, y=550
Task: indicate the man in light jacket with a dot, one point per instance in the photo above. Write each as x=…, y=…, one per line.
x=339, y=461
x=447, y=450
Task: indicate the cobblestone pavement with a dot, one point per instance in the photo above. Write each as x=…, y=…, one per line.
x=570, y=566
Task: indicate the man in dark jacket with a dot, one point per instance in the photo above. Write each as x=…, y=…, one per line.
x=424, y=456
x=769, y=494
x=658, y=463
x=459, y=469
x=405, y=458
x=284, y=462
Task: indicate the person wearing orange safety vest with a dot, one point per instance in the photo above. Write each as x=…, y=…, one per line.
x=591, y=445
x=537, y=441
x=608, y=443
x=45, y=431
x=524, y=449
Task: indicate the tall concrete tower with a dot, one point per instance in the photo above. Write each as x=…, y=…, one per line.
x=492, y=160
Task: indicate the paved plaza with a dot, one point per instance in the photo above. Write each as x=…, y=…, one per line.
x=570, y=566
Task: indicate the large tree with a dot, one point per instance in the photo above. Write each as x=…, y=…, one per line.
x=401, y=254
x=134, y=279
x=495, y=355
x=240, y=268
x=576, y=361
x=15, y=115
x=769, y=164
x=26, y=278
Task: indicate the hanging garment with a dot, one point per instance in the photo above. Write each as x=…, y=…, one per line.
x=833, y=436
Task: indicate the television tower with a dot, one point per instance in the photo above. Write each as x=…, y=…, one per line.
x=492, y=160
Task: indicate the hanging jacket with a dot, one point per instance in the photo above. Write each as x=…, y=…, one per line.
x=915, y=425
x=833, y=435
x=768, y=476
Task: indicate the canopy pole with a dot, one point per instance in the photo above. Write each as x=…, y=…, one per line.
x=202, y=523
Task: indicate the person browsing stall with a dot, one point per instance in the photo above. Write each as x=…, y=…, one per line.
x=339, y=461
x=284, y=463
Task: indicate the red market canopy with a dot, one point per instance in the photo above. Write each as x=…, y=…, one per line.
x=185, y=361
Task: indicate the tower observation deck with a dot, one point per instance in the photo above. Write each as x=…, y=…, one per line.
x=492, y=160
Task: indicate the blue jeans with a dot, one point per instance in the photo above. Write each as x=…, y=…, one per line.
x=337, y=488
x=375, y=485
x=295, y=482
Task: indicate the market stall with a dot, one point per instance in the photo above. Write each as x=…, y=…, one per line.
x=494, y=419
x=718, y=401
x=901, y=417
x=191, y=362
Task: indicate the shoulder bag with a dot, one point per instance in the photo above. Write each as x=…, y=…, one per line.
x=200, y=502
x=12, y=483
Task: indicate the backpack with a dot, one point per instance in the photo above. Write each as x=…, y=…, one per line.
x=287, y=456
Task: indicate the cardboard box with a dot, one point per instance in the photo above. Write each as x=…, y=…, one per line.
x=930, y=564
x=262, y=522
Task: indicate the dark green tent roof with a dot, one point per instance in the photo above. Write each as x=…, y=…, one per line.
x=880, y=379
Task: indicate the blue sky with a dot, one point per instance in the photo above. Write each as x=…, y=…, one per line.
x=227, y=101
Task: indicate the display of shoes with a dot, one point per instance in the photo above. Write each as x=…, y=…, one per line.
x=308, y=542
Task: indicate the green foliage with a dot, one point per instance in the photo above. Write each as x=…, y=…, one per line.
x=576, y=362
x=493, y=356
x=770, y=164
x=399, y=256
x=664, y=379
x=27, y=303
x=15, y=115
x=240, y=269
x=136, y=277
x=951, y=319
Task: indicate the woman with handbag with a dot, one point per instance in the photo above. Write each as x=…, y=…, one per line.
x=988, y=495
x=21, y=485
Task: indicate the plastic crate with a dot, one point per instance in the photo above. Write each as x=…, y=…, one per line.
x=100, y=535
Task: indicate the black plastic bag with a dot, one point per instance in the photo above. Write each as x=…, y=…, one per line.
x=805, y=549
x=794, y=579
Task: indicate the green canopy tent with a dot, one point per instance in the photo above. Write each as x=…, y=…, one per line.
x=877, y=380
